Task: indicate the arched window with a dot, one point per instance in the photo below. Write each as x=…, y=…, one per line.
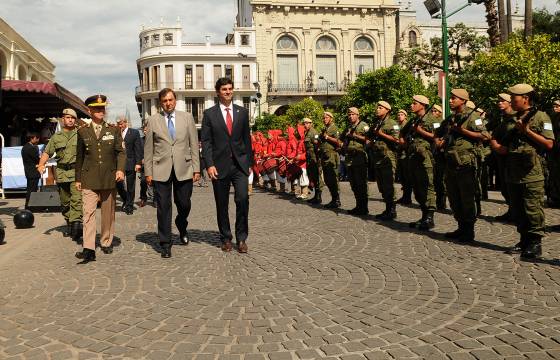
x=325, y=43
x=412, y=38
x=287, y=63
x=363, y=55
x=326, y=63
x=34, y=77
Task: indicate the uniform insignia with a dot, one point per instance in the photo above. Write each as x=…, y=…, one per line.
x=99, y=99
x=436, y=125
x=316, y=136
x=396, y=127
x=108, y=136
x=478, y=122
x=366, y=128
x=548, y=126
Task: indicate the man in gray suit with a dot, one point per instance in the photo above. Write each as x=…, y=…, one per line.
x=171, y=163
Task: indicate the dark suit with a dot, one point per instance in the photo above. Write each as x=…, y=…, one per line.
x=30, y=157
x=134, y=155
x=232, y=156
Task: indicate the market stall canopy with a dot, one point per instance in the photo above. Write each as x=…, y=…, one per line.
x=39, y=99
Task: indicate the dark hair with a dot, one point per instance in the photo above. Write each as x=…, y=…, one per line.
x=223, y=81
x=31, y=134
x=163, y=92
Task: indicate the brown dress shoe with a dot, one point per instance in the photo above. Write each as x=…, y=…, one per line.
x=226, y=246
x=242, y=247
x=142, y=203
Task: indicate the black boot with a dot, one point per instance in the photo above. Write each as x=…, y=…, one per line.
x=441, y=203
x=457, y=233
x=533, y=250
x=77, y=231
x=518, y=248
x=478, y=208
x=86, y=255
x=390, y=212
x=467, y=236
x=417, y=223
x=406, y=198
x=384, y=214
x=316, y=199
x=67, y=230
x=428, y=221
x=335, y=202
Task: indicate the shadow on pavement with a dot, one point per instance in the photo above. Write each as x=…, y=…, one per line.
x=195, y=236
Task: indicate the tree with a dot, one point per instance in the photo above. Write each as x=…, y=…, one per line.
x=493, y=22
x=535, y=62
x=545, y=22
x=305, y=108
x=270, y=121
x=463, y=43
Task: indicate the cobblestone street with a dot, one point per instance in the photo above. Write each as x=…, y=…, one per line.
x=315, y=284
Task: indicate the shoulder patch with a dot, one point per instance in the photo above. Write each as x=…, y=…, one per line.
x=478, y=122
x=436, y=125
x=396, y=127
x=548, y=126
x=366, y=128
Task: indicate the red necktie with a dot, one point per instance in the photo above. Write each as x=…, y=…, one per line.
x=229, y=121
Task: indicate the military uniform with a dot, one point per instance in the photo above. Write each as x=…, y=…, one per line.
x=385, y=165
x=356, y=163
x=553, y=163
x=329, y=163
x=313, y=166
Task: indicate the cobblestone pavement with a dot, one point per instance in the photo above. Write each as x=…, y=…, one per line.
x=315, y=284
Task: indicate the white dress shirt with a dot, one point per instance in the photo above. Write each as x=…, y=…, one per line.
x=166, y=115
x=224, y=112
x=124, y=132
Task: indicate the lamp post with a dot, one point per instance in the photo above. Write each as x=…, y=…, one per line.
x=327, y=82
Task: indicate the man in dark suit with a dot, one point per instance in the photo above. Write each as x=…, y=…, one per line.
x=171, y=163
x=30, y=157
x=134, y=155
x=227, y=153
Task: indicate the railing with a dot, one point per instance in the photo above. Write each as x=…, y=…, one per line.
x=334, y=88
x=181, y=86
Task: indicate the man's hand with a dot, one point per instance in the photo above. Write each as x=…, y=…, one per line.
x=149, y=180
x=521, y=126
x=41, y=169
x=137, y=168
x=78, y=185
x=196, y=177
x=213, y=173
x=119, y=176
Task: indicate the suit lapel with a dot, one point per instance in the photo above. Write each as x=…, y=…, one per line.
x=220, y=118
x=164, y=129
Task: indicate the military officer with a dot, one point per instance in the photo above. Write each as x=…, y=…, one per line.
x=356, y=160
x=384, y=144
x=439, y=163
x=459, y=135
x=553, y=160
x=100, y=162
x=532, y=134
x=402, y=164
x=63, y=146
x=418, y=136
x=311, y=140
x=329, y=157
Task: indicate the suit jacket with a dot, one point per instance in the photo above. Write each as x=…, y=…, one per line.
x=219, y=149
x=161, y=154
x=134, y=149
x=30, y=157
x=98, y=159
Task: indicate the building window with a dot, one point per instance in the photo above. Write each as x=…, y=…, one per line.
x=188, y=77
x=326, y=63
x=247, y=103
x=325, y=43
x=229, y=72
x=363, y=56
x=168, y=39
x=287, y=63
x=244, y=39
x=200, y=76
x=169, y=76
x=412, y=38
x=146, y=41
x=140, y=43
x=363, y=44
x=155, y=40
x=246, y=76
x=217, y=72
x=286, y=43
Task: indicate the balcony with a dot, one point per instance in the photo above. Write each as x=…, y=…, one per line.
x=307, y=90
x=194, y=88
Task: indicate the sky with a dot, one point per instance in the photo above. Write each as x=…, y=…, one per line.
x=94, y=44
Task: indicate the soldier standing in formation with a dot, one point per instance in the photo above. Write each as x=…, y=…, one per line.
x=402, y=164
x=384, y=144
x=311, y=140
x=418, y=136
x=553, y=160
x=356, y=160
x=521, y=145
x=330, y=158
x=439, y=163
x=459, y=137
x=63, y=144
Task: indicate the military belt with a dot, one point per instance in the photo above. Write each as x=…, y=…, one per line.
x=66, y=166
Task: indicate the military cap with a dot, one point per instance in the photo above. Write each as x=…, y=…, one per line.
x=556, y=102
x=353, y=110
x=70, y=112
x=402, y=111
x=438, y=108
x=505, y=97
x=384, y=104
x=470, y=105
x=96, y=101
x=421, y=99
x=460, y=93
x=329, y=114
x=521, y=89
x=307, y=120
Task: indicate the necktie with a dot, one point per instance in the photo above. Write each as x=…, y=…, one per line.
x=170, y=127
x=97, y=129
x=229, y=121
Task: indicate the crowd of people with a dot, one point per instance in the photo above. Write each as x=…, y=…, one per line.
x=435, y=158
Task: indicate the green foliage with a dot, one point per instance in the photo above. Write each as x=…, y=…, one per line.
x=545, y=22
x=270, y=121
x=394, y=85
x=305, y=108
x=535, y=62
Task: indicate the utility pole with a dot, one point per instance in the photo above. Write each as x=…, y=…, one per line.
x=503, y=21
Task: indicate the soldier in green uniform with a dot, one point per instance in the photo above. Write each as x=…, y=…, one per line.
x=499, y=127
x=553, y=160
x=532, y=134
x=353, y=147
x=330, y=158
x=402, y=164
x=479, y=152
x=384, y=143
x=311, y=141
x=439, y=163
x=418, y=136
x=63, y=145
x=459, y=135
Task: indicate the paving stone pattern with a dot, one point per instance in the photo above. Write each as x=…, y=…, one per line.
x=315, y=284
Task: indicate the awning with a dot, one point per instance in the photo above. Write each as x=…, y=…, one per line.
x=39, y=99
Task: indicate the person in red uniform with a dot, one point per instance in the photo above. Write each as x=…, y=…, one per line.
x=270, y=153
x=291, y=152
x=300, y=160
x=280, y=154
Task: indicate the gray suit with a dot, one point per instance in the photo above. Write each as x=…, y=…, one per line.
x=171, y=164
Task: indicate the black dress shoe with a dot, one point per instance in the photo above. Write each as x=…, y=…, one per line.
x=86, y=255
x=107, y=249
x=166, y=253
x=184, y=239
